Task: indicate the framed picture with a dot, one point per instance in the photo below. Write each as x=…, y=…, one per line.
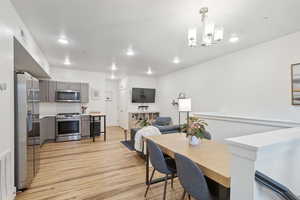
x=96, y=94
x=295, y=84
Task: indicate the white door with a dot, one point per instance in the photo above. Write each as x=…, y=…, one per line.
x=111, y=108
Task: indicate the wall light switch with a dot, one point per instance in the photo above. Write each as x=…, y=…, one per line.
x=3, y=86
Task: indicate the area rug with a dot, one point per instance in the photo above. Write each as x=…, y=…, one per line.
x=128, y=144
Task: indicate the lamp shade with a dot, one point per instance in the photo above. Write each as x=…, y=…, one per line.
x=184, y=105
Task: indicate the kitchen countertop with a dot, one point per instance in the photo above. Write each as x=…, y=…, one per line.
x=46, y=115
x=53, y=115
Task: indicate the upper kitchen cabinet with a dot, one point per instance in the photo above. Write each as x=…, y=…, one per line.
x=52, y=91
x=48, y=90
x=68, y=86
x=84, y=92
x=44, y=90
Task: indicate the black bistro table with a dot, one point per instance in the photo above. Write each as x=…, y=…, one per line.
x=102, y=118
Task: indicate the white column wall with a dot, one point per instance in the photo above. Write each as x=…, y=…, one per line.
x=274, y=153
x=11, y=26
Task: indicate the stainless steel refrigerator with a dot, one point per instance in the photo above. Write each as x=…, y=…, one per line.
x=27, y=129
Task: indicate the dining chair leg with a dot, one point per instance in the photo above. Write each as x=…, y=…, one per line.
x=148, y=186
x=165, y=189
x=183, y=195
x=172, y=180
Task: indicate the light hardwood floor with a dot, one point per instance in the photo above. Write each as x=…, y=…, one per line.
x=93, y=171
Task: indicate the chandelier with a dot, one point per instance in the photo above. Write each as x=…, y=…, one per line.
x=211, y=34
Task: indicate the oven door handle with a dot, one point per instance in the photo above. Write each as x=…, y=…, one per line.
x=67, y=120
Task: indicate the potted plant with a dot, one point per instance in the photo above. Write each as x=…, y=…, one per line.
x=196, y=130
x=83, y=108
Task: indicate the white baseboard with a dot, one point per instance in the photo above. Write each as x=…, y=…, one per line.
x=13, y=194
x=7, y=190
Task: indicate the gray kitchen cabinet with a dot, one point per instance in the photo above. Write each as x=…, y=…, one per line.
x=85, y=125
x=51, y=91
x=84, y=92
x=68, y=86
x=44, y=90
x=43, y=130
x=75, y=86
x=52, y=128
x=62, y=85
x=47, y=129
x=48, y=90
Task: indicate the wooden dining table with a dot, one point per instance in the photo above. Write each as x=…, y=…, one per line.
x=212, y=157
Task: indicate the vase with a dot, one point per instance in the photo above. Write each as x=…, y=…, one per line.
x=193, y=140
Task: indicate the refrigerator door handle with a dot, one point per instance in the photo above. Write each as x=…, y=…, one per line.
x=29, y=121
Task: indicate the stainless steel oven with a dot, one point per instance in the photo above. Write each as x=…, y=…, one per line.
x=67, y=127
x=67, y=96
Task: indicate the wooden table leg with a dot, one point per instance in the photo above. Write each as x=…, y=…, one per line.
x=125, y=134
x=224, y=193
x=93, y=127
x=104, y=128
x=100, y=121
x=147, y=166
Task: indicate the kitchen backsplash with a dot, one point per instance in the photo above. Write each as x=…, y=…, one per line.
x=54, y=108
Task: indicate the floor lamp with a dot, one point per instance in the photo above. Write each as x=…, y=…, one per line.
x=184, y=105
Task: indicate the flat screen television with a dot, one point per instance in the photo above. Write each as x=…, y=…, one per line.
x=143, y=95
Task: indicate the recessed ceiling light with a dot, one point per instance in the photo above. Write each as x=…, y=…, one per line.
x=113, y=67
x=234, y=39
x=176, y=60
x=149, y=72
x=112, y=77
x=63, y=40
x=8, y=31
x=67, y=61
x=130, y=52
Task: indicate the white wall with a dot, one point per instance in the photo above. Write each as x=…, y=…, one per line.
x=254, y=82
x=125, y=88
x=142, y=82
x=226, y=126
x=10, y=25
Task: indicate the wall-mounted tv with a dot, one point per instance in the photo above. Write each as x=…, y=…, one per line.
x=143, y=95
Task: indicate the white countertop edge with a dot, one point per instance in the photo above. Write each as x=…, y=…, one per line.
x=47, y=115
x=54, y=115
x=260, y=141
x=143, y=112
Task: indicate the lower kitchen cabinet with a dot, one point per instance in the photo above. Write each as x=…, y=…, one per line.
x=84, y=93
x=47, y=129
x=85, y=126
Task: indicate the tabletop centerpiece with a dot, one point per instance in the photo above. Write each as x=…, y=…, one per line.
x=196, y=129
x=83, y=108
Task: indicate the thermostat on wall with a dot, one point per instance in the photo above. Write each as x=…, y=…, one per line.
x=3, y=87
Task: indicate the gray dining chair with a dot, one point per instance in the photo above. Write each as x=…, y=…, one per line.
x=191, y=178
x=160, y=163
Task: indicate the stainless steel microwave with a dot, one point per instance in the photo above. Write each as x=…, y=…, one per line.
x=67, y=96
